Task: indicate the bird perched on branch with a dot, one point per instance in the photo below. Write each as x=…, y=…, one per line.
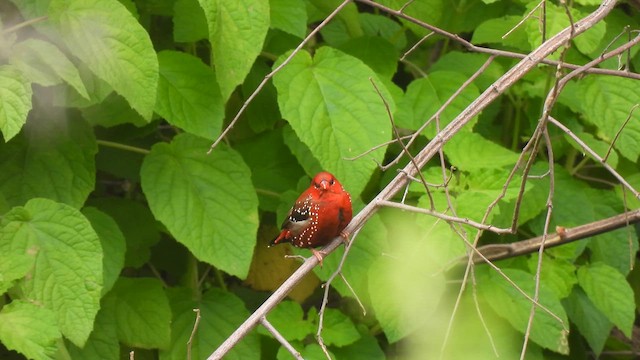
x=320, y=214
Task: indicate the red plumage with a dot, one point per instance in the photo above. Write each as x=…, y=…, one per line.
x=319, y=215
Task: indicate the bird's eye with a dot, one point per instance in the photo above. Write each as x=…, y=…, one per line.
x=332, y=182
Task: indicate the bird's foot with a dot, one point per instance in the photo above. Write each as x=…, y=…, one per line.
x=319, y=254
x=345, y=237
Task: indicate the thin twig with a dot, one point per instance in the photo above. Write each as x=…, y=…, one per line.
x=276, y=334
x=438, y=215
x=615, y=138
x=594, y=155
x=193, y=333
x=415, y=46
x=525, y=18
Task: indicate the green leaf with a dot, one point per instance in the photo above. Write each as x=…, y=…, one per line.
x=513, y=306
x=274, y=170
x=426, y=95
x=334, y=110
x=188, y=96
x=379, y=54
x=103, y=341
x=468, y=63
x=142, y=313
x=402, y=304
x=15, y=101
x=288, y=318
x=136, y=223
x=29, y=329
x=607, y=103
x=112, y=111
x=558, y=274
x=600, y=147
x=112, y=242
x=471, y=152
x=289, y=16
x=367, y=348
x=427, y=11
x=189, y=22
x=105, y=35
x=237, y=29
x=610, y=293
x=305, y=157
x=46, y=65
x=67, y=273
x=53, y=157
x=206, y=201
x=491, y=32
x=13, y=266
x=385, y=27
x=221, y=313
x=338, y=329
x=592, y=324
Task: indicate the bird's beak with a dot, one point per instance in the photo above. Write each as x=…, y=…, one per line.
x=324, y=185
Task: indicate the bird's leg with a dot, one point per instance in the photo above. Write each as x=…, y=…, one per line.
x=345, y=237
x=319, y=254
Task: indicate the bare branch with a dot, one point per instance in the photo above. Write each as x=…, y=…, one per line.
x=276, y=334
x=495, y=252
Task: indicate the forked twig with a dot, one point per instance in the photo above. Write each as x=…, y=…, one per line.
x=276, y=334
x=193, y=333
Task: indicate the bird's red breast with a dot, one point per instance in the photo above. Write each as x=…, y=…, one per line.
x=319, y=214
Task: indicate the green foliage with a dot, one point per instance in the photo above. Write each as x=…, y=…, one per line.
x=116, y=223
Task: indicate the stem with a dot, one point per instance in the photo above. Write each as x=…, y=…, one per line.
x=116, y=145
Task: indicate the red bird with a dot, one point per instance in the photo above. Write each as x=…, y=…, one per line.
x=319, y=215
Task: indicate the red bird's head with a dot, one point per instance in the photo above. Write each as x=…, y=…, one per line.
x=325, y=181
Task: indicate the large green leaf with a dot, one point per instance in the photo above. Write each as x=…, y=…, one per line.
x=221, y=313
x=206, y=201
x=15, y=101
x=592, y=324
x=29, y=329
x=288, y=318
x=407, y=284
x=142, y=313
x=53, y=158
x=426, y=95
x=137, y=224
x=106, y=36
x=189, y=22
x=188, y=96
x=335, y=111
x=471, y=151
x=513, y=306
x=289, y=16
x=103, y=341
x=610, y=292
x=67, y=273
x=113, y=245
x=338, y=329
x=237, y=29
x=45, y=64
x=607, y=103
